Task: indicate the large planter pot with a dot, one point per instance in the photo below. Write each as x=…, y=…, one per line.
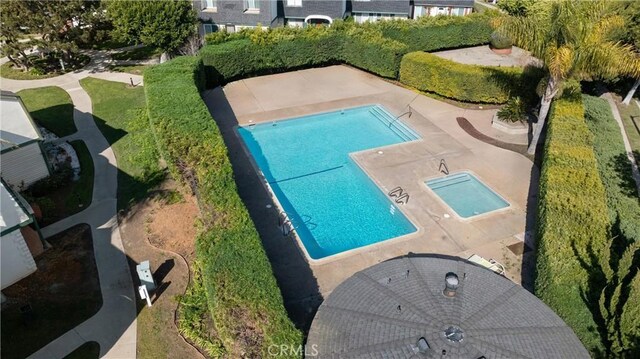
x=506, y=51
x=512, y=128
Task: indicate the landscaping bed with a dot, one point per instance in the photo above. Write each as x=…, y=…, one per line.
x=42, y=68
x=59, y=196
x=62, y=293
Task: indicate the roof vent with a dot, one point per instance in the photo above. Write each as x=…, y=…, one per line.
x=454, y=334
x=450, y=285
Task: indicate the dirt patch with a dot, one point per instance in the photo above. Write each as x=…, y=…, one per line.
x=62, y=293
x=172, y=227
x=153, y=230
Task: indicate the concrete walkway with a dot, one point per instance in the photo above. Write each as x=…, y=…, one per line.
x=635, y=172
x=114, y=326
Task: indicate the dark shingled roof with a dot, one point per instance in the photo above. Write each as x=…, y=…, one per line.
x=383, y=311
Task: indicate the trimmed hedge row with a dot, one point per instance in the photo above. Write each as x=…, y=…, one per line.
x=361, y=48
x=573, y=222
x=471, y=83
x=615, y=169
x=442, y=32
x=374, y=47
x=242, y=294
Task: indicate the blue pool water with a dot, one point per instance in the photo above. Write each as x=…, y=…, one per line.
x=332, y=203
x=466, y=195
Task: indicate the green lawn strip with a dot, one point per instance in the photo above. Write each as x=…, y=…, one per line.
x=119, y=112
x=7, y=71
x=614, y=167
x=631, y=120
x=88, y=350
x=82, y=189
x=51, y=107
x=131, y=69
x=139, y=53
x=63, y=293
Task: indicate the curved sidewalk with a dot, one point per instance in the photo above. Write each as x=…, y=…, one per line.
x=114, y=326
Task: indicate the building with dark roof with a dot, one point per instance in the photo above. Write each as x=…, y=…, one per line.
x=441, y=7
x=402, y=308
x=374, y=10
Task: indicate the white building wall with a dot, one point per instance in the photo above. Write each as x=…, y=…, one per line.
x=16, y=261
x=23, y=166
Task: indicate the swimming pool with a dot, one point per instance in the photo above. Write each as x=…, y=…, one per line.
x=333, y=205
x=466, y=195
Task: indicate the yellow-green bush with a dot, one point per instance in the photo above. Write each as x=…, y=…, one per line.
x=242, y=294
x=441, y=32
x=573, y=223
x=470, y=83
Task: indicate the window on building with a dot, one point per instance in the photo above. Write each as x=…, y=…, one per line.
x=294, y=2
x=209, y=28
x=418, y=11
x=252, y=5
x=209, y=4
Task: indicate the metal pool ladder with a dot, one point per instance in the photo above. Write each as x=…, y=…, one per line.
x=443, y=167
x=400, y=196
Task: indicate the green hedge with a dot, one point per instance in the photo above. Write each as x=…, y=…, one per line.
x=615, y=169
x=442, y=32
x=471, y=83
x=374, y=47
x=573, y=223
x=242, y=293
x=261, y=52
x=368, y=50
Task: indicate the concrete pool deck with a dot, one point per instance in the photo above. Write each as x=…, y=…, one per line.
x=304, y=283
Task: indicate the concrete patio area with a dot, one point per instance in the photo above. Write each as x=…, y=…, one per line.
x=303, y=282
x=482, y=55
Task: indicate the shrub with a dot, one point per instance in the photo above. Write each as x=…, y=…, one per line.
x=573, y=225
x=471, y=83
x=274, y=50
x=374, y=47
x=513, y=111
x=365, y=48
x=441, y=32
x=499, y=41
x=242, y=294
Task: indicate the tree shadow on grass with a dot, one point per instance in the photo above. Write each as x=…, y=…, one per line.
x=606, y=294
x=622, y=166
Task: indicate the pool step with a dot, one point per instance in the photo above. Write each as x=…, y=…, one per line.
x=393, y=124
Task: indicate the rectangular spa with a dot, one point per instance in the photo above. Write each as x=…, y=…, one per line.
x=466, y=195
x=333, y=205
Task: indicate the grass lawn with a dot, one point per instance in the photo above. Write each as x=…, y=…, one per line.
x=50, y=107
x=140, y=53
x=88, y=350
x=62, y=293
x=9, y=72
x=42, y=68
x=631, y=119
x=120, y=112
x=131, y=69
